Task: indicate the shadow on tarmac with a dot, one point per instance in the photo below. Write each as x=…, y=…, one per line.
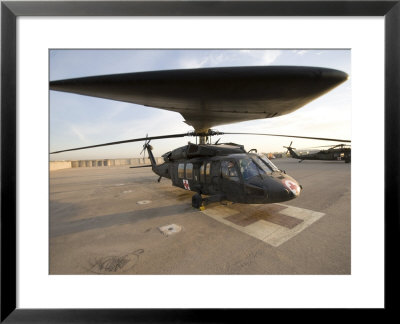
x=58, y=228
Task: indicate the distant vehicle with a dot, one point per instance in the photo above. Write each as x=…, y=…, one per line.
x=340, y=152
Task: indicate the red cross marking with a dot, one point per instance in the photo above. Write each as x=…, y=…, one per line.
x=186, y=184
x=292, y=186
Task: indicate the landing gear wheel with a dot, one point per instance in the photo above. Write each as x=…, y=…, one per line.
x=197, y=201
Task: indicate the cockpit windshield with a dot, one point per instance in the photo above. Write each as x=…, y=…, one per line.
x=261, y=164
x=255, y=165
x=272, y=166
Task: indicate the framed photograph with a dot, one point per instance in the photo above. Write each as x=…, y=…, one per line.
x=53, y=271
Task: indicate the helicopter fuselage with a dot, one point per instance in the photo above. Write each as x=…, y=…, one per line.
x=332, y=154
x=227, y=172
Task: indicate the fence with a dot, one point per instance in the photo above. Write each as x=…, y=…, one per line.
x=58, y=165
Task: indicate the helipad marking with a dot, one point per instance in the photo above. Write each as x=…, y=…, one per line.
x=273, y=224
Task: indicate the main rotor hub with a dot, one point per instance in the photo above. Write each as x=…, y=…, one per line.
x=204, y=135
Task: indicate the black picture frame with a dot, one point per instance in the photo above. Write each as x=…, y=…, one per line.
x=10, y=10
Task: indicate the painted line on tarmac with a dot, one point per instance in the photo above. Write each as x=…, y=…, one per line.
x=273, y=224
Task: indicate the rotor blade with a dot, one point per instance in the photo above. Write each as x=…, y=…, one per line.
x=306, y=137
x=321, y=146
x=330, y=146
x=141, y=166
x=123, y=142
x=269, y=91
x=333, y=146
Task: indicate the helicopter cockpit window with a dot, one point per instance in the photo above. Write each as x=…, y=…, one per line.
x=265, y=167
x=181, y=170
x=228, y=170
x=208, y=169
x=189, y=171
x=208, y=166
x=248, y=168
x=202, y=173
x=269, y=163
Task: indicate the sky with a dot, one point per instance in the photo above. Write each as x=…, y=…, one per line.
x=77, y=120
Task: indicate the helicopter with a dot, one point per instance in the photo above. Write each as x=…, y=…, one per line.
x=339, y=152
x=208, y=97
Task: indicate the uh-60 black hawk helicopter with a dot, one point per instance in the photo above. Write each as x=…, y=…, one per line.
x=339, y=152
x=209, y=97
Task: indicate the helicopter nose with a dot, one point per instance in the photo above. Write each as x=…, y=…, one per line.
x=291, y=187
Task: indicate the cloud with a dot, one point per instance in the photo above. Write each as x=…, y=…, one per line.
x=265, y=57
x=229, y=58
x=300, y=52
x=79, y=134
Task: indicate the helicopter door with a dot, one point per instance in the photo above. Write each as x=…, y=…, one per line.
x=178, y=175
x=205, y=178
x=231, y=185
x=215, y=177
x=207, y=172
x=253, y=182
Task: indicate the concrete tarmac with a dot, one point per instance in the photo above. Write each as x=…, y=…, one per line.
x=119, y=220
